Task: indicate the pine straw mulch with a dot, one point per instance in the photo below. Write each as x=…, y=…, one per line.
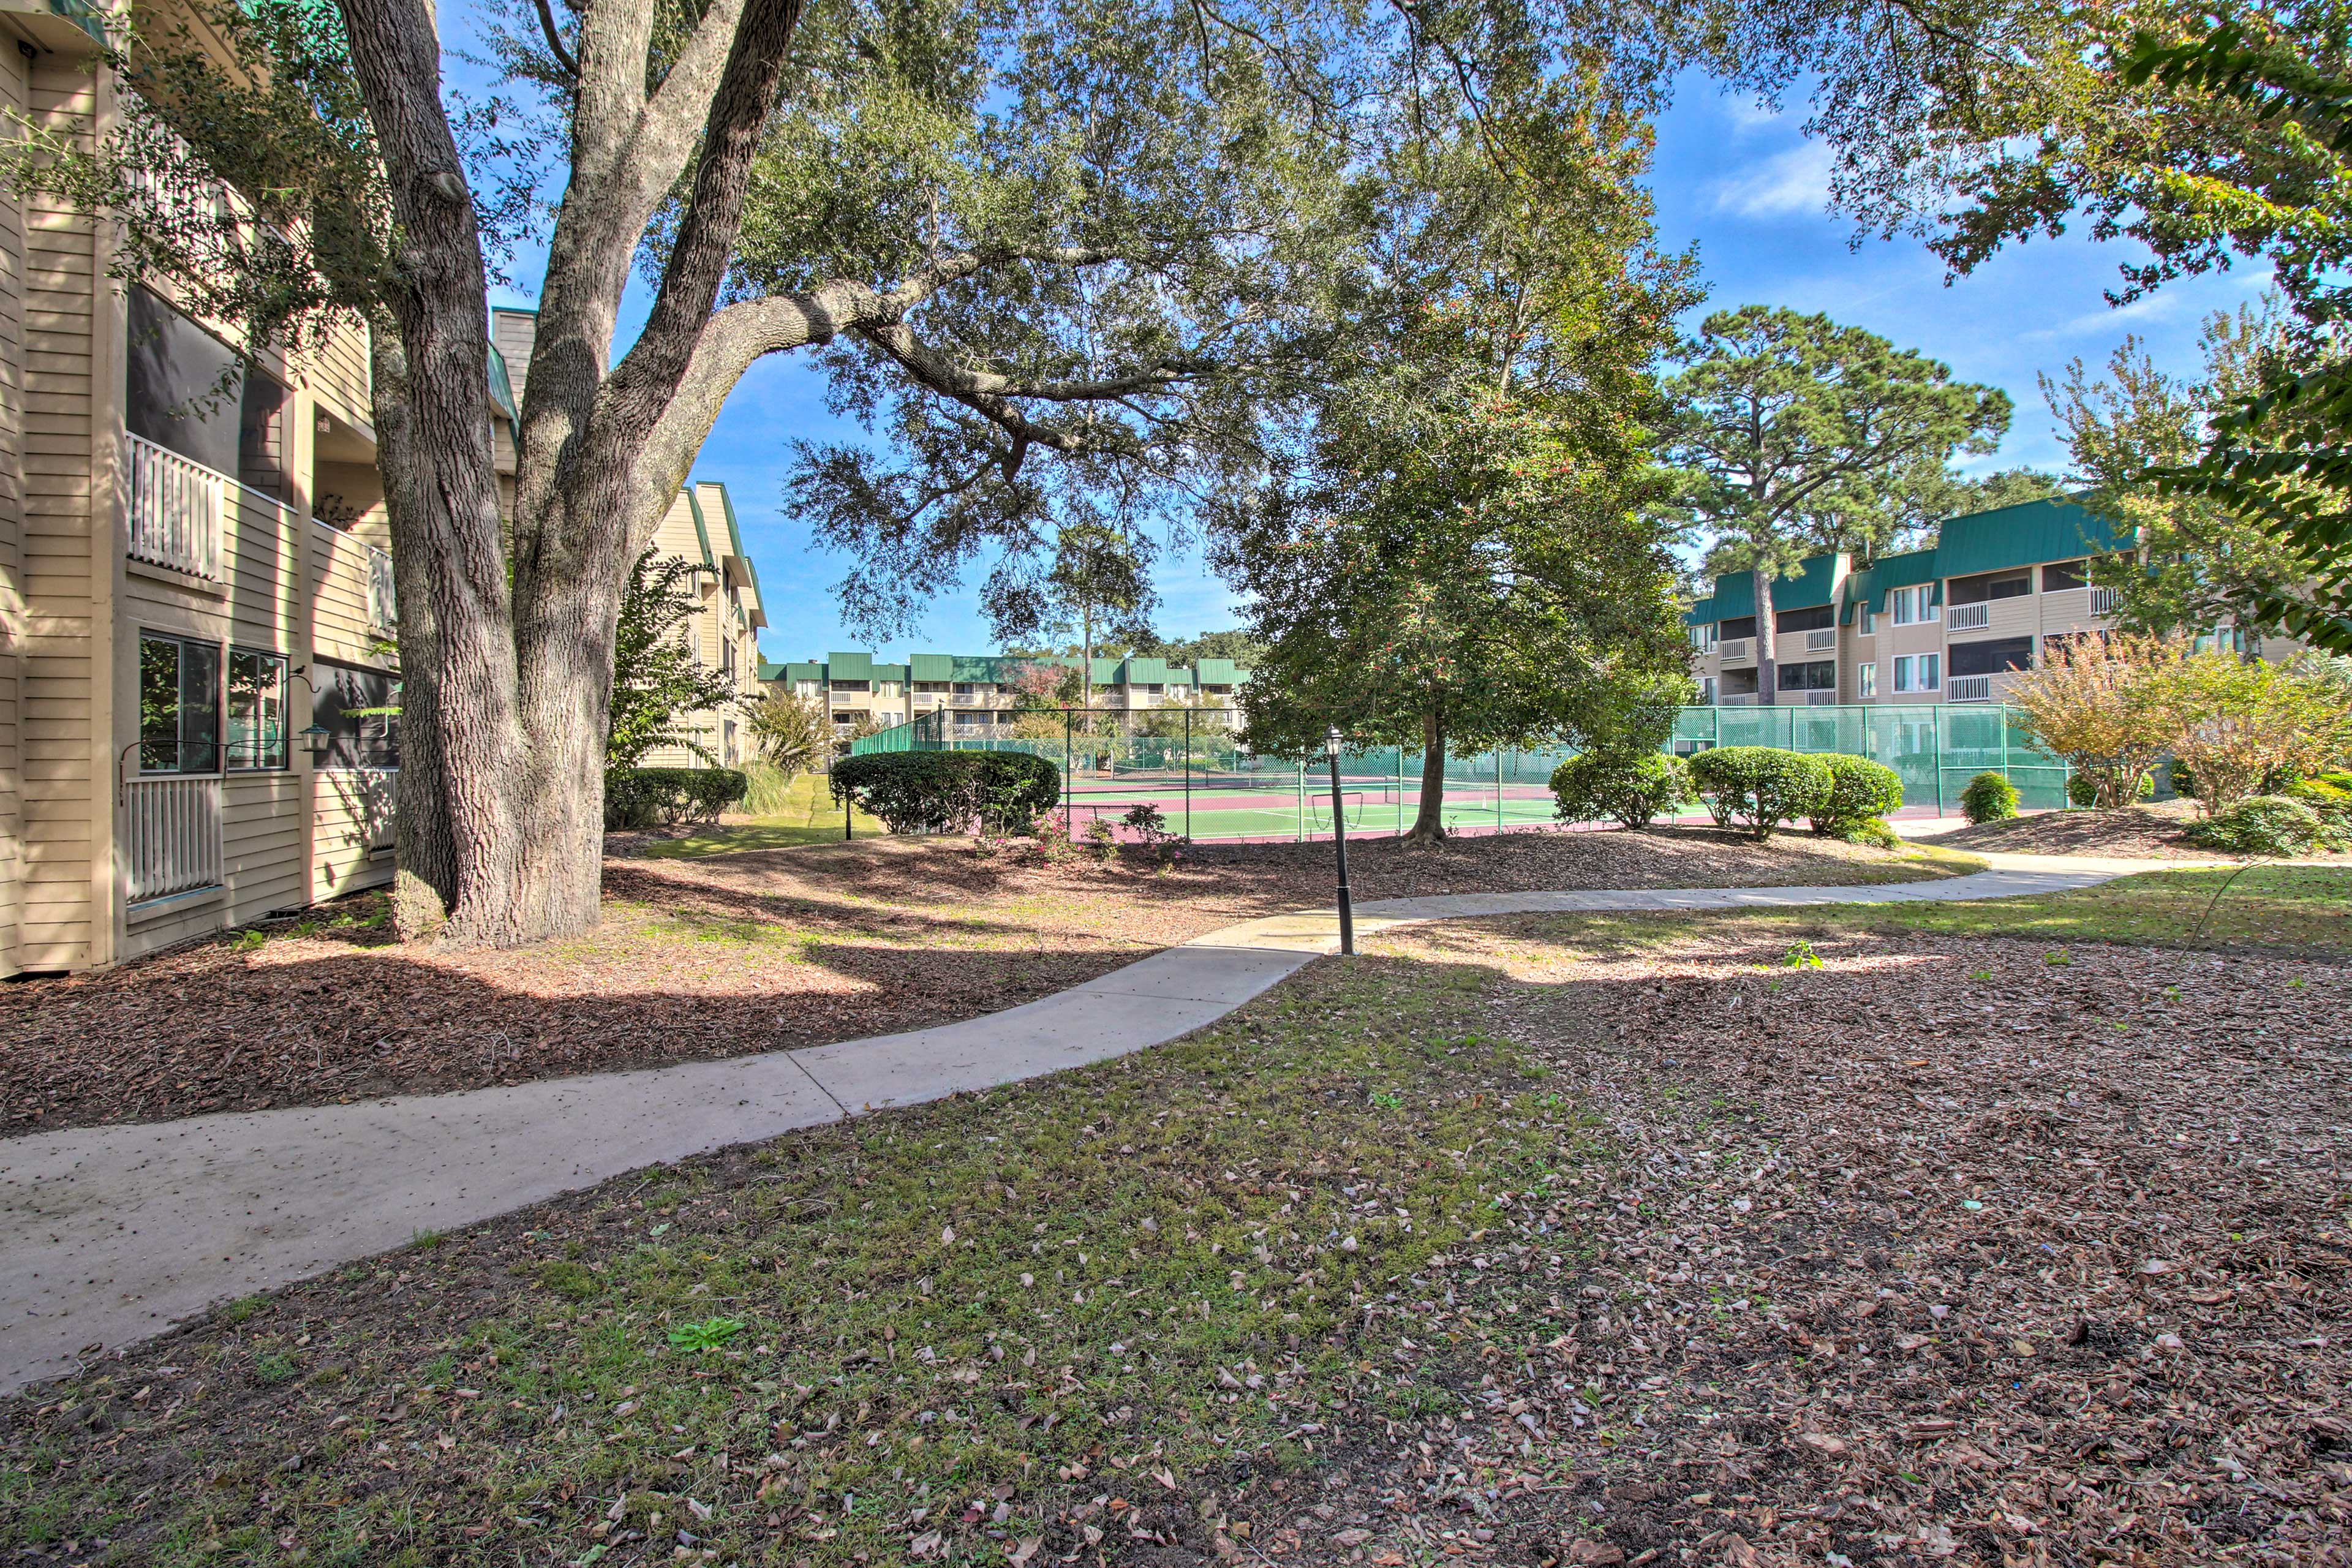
x=733, y=955
x=1957, y=1250
x=2133, y=832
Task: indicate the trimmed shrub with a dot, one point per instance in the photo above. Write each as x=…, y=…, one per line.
x=2264, y=825
x=1861, y=791
x=2332, y=802
x=1989, y=797
x=1632, y=787
x=639, y=799
x=1001, y=793
x=1759, y=787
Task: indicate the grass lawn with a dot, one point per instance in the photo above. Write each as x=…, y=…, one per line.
x=805, y=814
x=1515, y=1240
x=2297, y=910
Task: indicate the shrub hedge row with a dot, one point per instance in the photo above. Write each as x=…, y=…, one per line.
x=951, y=792
x=636, y=798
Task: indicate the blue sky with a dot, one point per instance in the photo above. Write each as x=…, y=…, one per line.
x=1740, y=183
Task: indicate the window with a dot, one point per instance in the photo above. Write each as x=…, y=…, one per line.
x=1818, y=676
x=179, y=705
x=1147, y=691
x=965, y=688
x=1913, y=606
x=2060, y=575
x=1992, y=656
x=844, y=718
x=726, y=742
x=1738, y=626
x=922, y=687
x=257, y=708
x=1738, y=683
x=355, y=706
x=1865, y=680
x=727, y=655
x=804, y=687
x=1930, y=668
x=1702, y=637
x=2011, y=583
x=1707, y=690
x=173, y=371
x=1918, y=672
x=1812, y=618
x=1866, y=619
x=849, y=685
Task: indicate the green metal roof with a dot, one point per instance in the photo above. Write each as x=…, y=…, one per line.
x=1145, y=672
x=1872, y=583
x=735, y=543
x=502, y=388
x=999, y=669
x=770, y=671
x=1734, y=595
x=1219, y=672
x=849, y=666
x=889, y=672
x=803, y=670
x=2025, y=534
x=701, y=528
x=1815, y=583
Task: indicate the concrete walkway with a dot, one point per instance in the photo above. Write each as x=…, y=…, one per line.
x=110, y=1234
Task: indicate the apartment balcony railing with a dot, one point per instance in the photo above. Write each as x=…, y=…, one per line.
x=1821, y=699
x=2105, y=601
x=383, y=596
x=171, y=837
x=1968, y=617
x=1968, y=688
x=176, y=507
x=1822, y=641
x=1737, y=699
x=1735, y=650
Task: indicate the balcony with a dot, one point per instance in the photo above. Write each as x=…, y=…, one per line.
x=1735, y=651
x=1968, y=617
x=2105, y=602
x=1737, y=699
x=1821, y=641
x=1968, y=688
x=1821, y=699
x=176, y=507
x=383, y=599
x=171, y=836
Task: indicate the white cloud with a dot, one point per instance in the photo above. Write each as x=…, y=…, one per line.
x=1796, y=181
x=1749, y=115
x=2183, y=298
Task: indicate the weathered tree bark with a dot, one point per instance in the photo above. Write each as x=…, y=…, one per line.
x=1429, y=821
x=441, y=495
x=1767, y=670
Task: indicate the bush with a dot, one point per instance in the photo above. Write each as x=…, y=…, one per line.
x=1861, y=791
x=2330, y=801
x=2083, y=790
x=950, y=791
x=1759, y=787
x=637, y=798
x=1989, y=797
x=2264, y=824
x=1630, y=787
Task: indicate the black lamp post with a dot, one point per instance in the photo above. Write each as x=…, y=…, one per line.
x=1331, y=743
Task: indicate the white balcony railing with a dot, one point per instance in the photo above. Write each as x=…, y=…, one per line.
x=2105, y=601
x=172, y=835
x=1734, y=650
x=383, y=599
x=176, y=507
x=1822, y=641
x=1821, y=699
x=1968, y=688
x=1968, y=617
x=1737, y=699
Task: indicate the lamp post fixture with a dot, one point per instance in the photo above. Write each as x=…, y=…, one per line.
x=318, y=738
x=1331, y=744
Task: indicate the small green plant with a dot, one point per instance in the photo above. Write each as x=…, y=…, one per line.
x=2056, y=958
x=426, y=1240
x=1388, y=1100
x=1102, y=840
x=710, y=1334
x=1980, y=974
x=1989, y=797
x=1800, y=955
x=249, y=941
x=274, y=1367
x=2268, y=825
x=244, y=1308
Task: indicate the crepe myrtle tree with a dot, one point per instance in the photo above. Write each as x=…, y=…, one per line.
x=1051, y=250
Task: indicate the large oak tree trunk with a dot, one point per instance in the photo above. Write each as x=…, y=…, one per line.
x=1429, y=821
x=1767, y=669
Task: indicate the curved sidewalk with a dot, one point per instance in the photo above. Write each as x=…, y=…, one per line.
x=110, y=1234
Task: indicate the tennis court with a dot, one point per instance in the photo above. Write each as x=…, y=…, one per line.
x=1187, y=765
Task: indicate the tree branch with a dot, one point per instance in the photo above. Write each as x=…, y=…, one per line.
x=563, y=56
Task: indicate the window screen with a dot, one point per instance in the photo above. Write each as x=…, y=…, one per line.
x=179, y=705
x=257, y=708
x=1992, y=657
x=350, y=704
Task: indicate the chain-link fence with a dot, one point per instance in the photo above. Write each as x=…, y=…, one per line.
x=1185, y=763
